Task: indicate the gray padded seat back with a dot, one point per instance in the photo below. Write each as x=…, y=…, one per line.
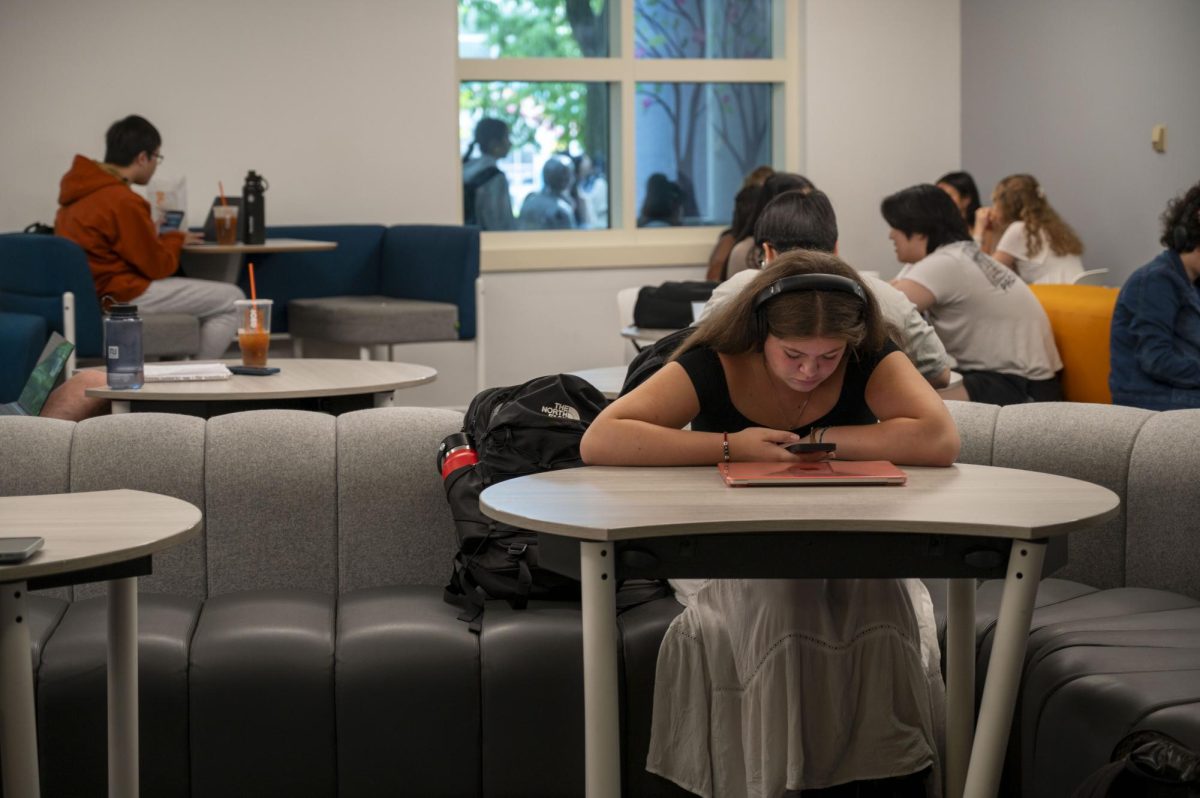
x=395, y=525
x=271, y=501
x=170, y=334
x=36, y=456
x=1164, y=497
x=1090, y=442
x=368, y=320
x=155, y=452
x=976, y=424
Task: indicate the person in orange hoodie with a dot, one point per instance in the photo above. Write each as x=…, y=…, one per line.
x=129, y=259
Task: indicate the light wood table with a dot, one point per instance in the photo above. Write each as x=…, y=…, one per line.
x=964, y=522
x=223, y=262
x=298, y=379
x=105, y=535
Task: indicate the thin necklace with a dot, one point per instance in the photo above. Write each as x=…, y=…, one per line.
x=783, y=413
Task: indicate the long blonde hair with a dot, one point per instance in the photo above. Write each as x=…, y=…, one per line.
x=1019, y=198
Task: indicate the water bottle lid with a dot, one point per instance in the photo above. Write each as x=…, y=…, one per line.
x=122, y=310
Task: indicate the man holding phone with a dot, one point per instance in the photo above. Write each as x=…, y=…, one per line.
x=129, y=259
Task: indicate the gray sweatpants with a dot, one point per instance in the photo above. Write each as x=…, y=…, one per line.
x=209, y=300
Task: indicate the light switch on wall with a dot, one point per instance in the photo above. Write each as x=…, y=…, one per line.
x=1158, y=138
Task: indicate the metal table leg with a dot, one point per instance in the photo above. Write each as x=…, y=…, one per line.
x=18, y=728
x=1004, y=668
x=960, y=682
x=122, y=689
x=602, y=742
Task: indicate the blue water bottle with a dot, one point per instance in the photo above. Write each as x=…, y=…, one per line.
x=123, y=347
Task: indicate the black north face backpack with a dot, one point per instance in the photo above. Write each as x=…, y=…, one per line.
x=513, y=431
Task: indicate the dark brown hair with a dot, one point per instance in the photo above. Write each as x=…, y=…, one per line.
x=734, y=329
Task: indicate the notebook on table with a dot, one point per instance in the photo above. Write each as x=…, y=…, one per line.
x=48, y=374
x=185, y=372
x=826, y=472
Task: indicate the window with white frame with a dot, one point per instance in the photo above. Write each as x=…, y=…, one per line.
x=620, y=114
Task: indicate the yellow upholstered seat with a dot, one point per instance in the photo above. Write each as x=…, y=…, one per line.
x=1081, y=317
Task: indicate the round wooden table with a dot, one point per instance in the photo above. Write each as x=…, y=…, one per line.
x=964, y=522
x=107, y=535
x=298, y=379
x=222, y=262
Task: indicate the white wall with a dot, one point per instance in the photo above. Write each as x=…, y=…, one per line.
x=1068, y=91
x=883, y=110
x=349, y=109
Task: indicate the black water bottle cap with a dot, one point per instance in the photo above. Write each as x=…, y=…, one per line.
x=123, y=310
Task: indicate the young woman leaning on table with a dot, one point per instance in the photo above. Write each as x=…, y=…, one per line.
x=767, y=686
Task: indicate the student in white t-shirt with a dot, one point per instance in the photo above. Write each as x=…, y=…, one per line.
x=1024, y=232
x=989, y=320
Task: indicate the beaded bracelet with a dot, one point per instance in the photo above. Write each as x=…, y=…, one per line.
x=725, y=446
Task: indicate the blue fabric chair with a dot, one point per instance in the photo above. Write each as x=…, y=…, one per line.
x=48, y=276
x=350, y=270
x=436, y=263
x=36, y=272
x=22, y=337
x=424, y=287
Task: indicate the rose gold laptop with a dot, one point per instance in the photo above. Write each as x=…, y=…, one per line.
x=827, y=472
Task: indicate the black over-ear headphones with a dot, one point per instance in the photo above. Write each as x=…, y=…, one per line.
x=801, y=282
x=1179, y=233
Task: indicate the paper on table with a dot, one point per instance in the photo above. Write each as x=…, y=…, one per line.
x=179, y=372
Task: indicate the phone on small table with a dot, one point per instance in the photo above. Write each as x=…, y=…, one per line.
x=807, y=448
x=18, y=549
x=255, y=371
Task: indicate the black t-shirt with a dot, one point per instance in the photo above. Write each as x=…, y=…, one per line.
x=718, y=414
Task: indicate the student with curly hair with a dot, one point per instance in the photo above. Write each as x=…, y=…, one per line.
x=1156, y=325
x=1024, y=232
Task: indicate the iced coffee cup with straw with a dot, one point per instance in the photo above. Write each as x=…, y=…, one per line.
x=254, y=326
x=225, y=220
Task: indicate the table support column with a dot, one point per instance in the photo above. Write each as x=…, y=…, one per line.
x=1004, y=668
x=122, y=689
x=119, y=406
x=602, y=741
x=18, y=727
x=960, y=682
x=385, y=399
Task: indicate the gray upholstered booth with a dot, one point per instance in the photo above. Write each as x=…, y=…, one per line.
x=301, y=646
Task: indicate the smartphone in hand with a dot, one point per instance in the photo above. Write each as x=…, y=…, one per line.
x=806, y=448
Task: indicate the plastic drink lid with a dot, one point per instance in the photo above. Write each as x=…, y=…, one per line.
x=122, y=310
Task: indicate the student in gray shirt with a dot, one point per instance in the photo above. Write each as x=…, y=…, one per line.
x=804, y=219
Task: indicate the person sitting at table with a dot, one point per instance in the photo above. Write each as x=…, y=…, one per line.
x=962, y=189
x=805, y=220
x=990, y=322
x=742, y=255
x=129, y=260
x=1023, y=231
x=766, y=685
x=1156, y=324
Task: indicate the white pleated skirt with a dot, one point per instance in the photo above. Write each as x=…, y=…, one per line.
x=766, y=685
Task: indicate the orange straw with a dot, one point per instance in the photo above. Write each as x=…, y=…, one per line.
x=222, y=188
x=253, y=293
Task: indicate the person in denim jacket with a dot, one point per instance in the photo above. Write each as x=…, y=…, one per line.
x=1156, y=324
